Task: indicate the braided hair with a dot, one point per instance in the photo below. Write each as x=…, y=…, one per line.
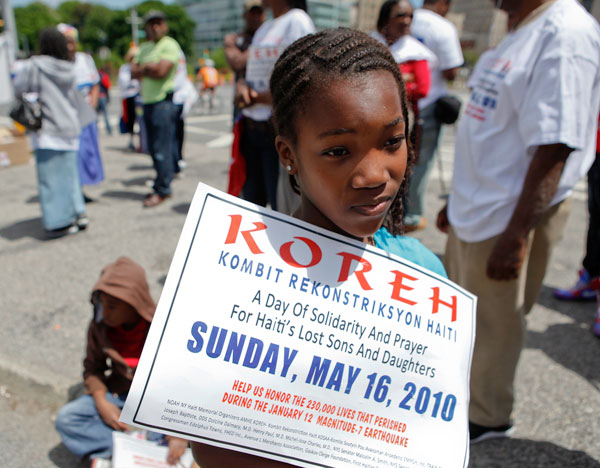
x=313, y=62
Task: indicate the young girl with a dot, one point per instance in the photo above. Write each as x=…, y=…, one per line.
x=340, y=114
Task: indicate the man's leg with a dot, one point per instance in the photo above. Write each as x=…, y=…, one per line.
x=417, y=185
x=591, y=262
x=254, y=186
x=500, y=330
x=160, y=134
x=545, y=236
x=82, y=430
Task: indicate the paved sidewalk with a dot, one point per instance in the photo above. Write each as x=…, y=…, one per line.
x=44, y=306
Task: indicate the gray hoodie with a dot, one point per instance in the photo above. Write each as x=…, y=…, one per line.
x=54, y=81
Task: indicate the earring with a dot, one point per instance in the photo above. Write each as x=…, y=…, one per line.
x=288, y=168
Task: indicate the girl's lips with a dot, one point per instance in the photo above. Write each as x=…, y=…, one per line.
x=375, y=209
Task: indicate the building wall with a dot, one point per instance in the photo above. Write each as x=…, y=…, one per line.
x=216, y=18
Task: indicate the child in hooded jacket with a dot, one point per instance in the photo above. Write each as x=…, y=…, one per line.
x=123, y=310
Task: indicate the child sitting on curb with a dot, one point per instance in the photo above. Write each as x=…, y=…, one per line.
x=123, y=310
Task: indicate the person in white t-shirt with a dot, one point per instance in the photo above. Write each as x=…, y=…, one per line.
x=526, y=138
x=290, y=22
x=430, y=26
x=89, y=158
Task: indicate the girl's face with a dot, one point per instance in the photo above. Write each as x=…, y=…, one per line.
x=400, y=20
x=350, y=153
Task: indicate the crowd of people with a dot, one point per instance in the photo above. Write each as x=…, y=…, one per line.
x=527, y=135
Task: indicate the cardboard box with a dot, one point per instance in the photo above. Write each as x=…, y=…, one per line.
x=14, y=148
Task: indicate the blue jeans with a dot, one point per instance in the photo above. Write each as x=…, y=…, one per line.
x=102, y=103
x=82, y=430
x=178, y=133
x=160, y=126
x=417, y=184
x=58, y=184
x=591, y=262
x=262, y=165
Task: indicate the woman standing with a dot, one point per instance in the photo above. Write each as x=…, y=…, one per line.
x=130, y=90
x=393, y=30
x=290, y=22
x=51, y=75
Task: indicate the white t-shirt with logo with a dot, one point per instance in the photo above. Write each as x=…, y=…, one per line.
x=539, y=86
x=268, y=44
x=440, y=36
x=86, y=73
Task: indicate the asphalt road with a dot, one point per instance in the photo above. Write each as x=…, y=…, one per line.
x=45, y=286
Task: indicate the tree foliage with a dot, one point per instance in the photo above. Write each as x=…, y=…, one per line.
x=100, y=26
x=30, y=20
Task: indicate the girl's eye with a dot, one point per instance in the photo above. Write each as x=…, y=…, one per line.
x=335, y=152
x=394, y=143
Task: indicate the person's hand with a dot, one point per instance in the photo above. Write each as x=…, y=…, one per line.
x=442, y=222
x=244, y=94
x=507, y=257
x=109, y=412
x=177, y=447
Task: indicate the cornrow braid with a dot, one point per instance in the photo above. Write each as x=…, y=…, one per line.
x=316, y=60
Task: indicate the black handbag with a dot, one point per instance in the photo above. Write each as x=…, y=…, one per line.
x=447, y=109
x=26, y=112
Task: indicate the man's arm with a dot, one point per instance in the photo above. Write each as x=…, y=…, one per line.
x=156, y=70
x=450, y=74
x=235, y=57
x=539, y=188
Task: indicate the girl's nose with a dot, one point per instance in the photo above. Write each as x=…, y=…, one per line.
x=371, y=171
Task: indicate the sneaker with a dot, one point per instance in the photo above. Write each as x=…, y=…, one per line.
x=479, y=433
x=584, y=289
x=101, y=463
x=596, y=324
x=82, y=221
x=62, y=232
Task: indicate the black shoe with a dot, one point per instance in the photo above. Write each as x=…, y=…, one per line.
x=479, y=433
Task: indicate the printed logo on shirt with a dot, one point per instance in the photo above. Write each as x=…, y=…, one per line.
x=484, y=97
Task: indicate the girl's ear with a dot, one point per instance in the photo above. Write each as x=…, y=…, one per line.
x=286, y=153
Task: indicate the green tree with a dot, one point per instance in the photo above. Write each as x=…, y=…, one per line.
x=30, y=20
x=93, y=34
x=181, y=26
x=74, y=13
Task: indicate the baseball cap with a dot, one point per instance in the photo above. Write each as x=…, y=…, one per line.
x=249, y=4
x=154, y=14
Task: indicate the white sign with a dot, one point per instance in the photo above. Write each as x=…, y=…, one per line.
x=280, y=339
x=131, y=452
x=260, y=65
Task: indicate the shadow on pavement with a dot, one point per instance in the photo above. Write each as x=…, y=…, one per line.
x=140, y=167
x=124, y=195
x=136, y=181
x=580, y=311
x=524, y=453
x=569, y=344
x=62, y=458
x=26, y=228
x=182, y=208
x=33, y=199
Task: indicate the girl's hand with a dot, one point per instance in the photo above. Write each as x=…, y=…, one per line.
x=442, y=222
x=176, y=448
x=109, y=412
